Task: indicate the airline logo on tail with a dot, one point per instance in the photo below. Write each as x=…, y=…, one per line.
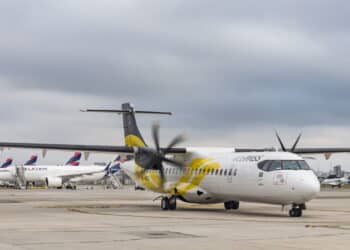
x=7, y=163
x=32, y=161
x=74, y=161
x=113, y=168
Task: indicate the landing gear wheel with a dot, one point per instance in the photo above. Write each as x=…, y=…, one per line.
x=235, y=205
x=295, y=212
x=231, y=205
x=227, y=205
x=164, y=203
x=172, y=203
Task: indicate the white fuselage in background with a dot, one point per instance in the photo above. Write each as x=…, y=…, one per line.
x=41, y=173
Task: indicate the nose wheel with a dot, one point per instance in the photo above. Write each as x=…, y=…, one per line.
x=297, y=210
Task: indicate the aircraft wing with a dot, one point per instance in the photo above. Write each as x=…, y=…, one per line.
x=326, y=151
x=77, y=147
x=67, y=178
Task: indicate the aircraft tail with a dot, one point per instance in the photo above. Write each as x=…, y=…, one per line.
x=132, y=135
x=32, y=161
x=7, y=163
x=74, y=160
x=113, y=168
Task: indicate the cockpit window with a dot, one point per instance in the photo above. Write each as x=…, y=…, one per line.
x=264, y=165
x=275, y=165
x=303, y=165
x=290, y=165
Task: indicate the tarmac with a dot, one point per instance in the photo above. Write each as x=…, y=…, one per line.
x=128, y=219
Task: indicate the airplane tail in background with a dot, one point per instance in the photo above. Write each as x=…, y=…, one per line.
x=32, y=161
x=74, y=160
x=7, y=163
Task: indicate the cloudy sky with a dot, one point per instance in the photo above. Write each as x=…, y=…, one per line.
x=231, y=71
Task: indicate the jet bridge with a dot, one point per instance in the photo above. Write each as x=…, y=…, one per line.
x=20, y=177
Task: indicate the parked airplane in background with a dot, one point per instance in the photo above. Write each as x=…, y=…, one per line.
x=53, y=176
x=112, y=169
x=336, y=182
x=208, y=175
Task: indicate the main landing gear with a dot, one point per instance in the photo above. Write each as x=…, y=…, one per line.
x=297, y=210
x=231, y=205
x=168, y=203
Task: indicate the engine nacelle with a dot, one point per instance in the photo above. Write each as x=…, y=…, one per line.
x=54, y=182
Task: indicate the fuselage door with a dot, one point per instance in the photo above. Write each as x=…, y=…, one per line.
x=260, y=178
x=229, y=175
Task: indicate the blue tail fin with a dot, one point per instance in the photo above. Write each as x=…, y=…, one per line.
x=32, y=161
x=74, y=160
x=7, y=163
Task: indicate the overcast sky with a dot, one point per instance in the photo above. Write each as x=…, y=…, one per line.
x=231, y=71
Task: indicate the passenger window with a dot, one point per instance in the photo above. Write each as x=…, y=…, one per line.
x=216, y=171
x=303, y=165
x=225, y=173
x=275, y=165
x=230, y=172
x=221, y=171
x=290, y=165
x=235, y=172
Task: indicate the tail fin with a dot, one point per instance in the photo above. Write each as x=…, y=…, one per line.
x=74, y=160
x=7, y=163
x=33, y=159
x=132, y=135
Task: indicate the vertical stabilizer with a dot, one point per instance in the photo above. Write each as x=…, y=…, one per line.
x=132, y=135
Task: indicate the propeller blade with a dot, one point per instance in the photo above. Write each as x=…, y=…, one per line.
x=280, y=141
x=296, y=143
x=173, y=162
x=178, y=139
x=155, y=134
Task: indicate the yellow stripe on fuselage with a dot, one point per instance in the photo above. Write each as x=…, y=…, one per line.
x=149, y=178
x=205, y=165
x=191, y=178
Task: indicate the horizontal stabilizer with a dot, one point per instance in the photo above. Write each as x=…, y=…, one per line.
x=119, y=111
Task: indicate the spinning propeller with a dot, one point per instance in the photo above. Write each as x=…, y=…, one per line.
x=292, y=150
x=153, y=158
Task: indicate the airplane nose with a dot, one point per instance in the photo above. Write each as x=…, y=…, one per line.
x=312, y=187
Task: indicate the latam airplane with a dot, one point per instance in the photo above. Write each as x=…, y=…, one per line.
x=208, y=175
x=53, y=176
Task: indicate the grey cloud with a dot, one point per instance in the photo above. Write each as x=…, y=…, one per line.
x=226, y=65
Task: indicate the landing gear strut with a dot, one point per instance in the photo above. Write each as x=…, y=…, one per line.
x=297, y=210
x=231, y=205
x=168, y=203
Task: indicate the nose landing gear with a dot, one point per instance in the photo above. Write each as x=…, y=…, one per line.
x=297, y=210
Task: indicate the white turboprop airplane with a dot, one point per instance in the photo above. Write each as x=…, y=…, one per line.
x=208, y=175
x=53, y=176
x=336, y=182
